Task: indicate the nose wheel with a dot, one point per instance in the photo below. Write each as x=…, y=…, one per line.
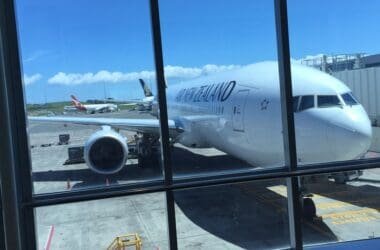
x=309, y=210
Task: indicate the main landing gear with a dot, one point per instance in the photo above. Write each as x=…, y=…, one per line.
x=309, y=210
x=147, y=148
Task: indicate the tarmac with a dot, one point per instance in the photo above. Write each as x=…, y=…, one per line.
x=240, y=216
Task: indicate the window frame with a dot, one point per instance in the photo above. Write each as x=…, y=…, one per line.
x=16, y=182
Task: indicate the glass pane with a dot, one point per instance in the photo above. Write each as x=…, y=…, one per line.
x=222, y=85
x=307, y=102
x=96, y=224
x=89, y=77
x=349, y=99
x=241, y=216
x=346, y=206
x=327, y=101
x=334, y=53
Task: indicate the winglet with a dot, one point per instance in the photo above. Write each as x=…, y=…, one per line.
x=147, y=91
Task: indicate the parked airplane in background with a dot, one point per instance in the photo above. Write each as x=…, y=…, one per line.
x=143, y=104
x=92, y=108
x=239, y=112
x=146, y=103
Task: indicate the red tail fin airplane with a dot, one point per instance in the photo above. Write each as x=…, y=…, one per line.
x=93, y=108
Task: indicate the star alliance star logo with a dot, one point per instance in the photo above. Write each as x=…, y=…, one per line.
x=264, y=104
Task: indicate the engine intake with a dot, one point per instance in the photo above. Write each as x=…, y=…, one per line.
x=106, y=151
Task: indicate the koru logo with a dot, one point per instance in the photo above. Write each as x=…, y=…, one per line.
x=264, y=104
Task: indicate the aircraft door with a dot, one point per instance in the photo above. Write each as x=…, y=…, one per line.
x=238, y=110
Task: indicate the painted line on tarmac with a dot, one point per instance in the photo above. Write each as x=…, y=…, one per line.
x=49, y=238
x=352, y=216
x=340, y=204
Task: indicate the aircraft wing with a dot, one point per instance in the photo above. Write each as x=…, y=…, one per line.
x=150, y=126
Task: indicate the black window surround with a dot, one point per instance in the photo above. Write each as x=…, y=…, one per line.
x=18, y=201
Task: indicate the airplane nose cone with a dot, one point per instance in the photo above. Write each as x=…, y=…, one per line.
x=350, y=139
x=361, y=137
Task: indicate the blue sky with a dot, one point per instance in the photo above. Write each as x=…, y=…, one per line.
x=86, y=47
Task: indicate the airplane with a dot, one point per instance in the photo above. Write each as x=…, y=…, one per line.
x=70, y=108
x=239, y=113
x=141, y=104
x=145, y=104
x=92, y=108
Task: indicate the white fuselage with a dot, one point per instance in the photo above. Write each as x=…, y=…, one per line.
x=106, y=107
x=239, y=112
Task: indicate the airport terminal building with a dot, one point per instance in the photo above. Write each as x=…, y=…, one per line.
x=227, y=144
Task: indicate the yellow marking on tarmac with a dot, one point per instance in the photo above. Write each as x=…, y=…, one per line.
x=353, y=216
x=340, y=204
x=331, y=205
x=350, y=214
x=354, y=220
x=337, y=218
x=317, y=196
x=279, y=189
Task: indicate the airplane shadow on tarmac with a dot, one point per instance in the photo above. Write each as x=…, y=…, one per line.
x=364, y=196
x=246, y=214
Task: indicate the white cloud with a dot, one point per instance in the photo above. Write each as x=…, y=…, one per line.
x=115, y=77
x=31, y=79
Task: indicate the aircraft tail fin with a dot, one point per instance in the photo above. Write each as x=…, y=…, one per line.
x=147, y=91
x=77, y=103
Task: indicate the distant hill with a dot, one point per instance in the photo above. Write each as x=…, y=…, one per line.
x=50, y=108
x=57, y=108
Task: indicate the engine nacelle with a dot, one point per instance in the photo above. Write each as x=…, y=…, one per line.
x=106, y=151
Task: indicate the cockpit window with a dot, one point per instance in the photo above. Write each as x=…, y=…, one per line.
x=295, y=103
x=349, y=99
x=326, y=101
x=307, y=102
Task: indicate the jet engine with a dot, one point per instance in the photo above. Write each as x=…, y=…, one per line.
x=106, y=151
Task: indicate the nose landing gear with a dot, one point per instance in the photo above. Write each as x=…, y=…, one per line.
x=309, y=210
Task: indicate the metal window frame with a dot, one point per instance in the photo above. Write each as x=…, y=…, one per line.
x=164, y=127
x=290, y=150
x=16, y=179
x=16, y=183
